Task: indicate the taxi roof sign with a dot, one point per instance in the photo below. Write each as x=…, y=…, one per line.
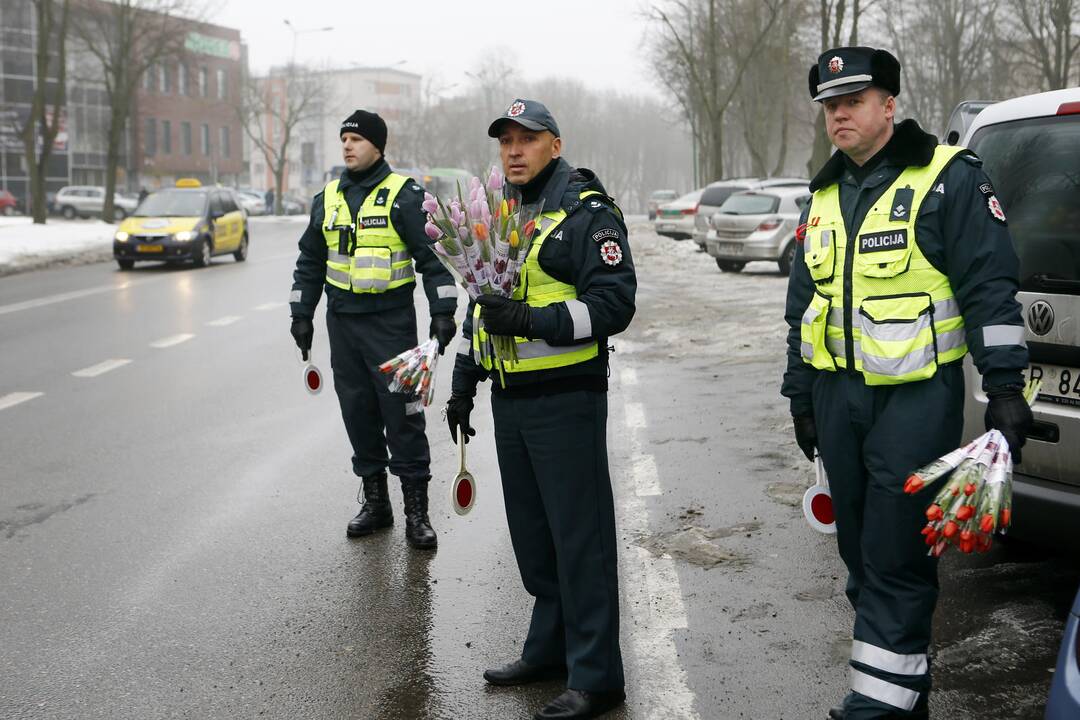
x=188, y=183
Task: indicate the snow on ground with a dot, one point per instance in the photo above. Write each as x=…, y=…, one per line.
x=24, y=245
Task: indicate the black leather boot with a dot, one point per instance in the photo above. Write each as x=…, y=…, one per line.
x=376, y=512
x=418, y=529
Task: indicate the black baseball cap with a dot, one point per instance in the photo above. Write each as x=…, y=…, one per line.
x=846, y=70
x=530, y=114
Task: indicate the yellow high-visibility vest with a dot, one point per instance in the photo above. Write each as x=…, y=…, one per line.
x=905, y=320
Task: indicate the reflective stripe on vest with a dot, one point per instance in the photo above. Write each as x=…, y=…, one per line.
x=365, y=254
x=905, y=320
x=538, y=289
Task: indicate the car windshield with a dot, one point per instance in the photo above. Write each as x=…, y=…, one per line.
x=172, y=203
x=1033, y=166
x=690, y=198
x=715, y=196
x=750, y=204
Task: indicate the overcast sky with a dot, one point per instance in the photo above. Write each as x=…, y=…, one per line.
x=597, y=41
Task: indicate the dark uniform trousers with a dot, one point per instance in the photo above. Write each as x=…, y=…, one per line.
x=374, y=417
x=553, y=459
x=871, y=439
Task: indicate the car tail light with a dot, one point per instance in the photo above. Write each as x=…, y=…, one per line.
x=1069, y=108
x=690, y=210
x=770, y=224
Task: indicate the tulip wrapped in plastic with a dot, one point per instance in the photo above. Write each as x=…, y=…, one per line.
x=483, y=236
x=975, y=500
x=413, y=371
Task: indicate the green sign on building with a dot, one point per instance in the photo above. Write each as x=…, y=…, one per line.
x=206, y=45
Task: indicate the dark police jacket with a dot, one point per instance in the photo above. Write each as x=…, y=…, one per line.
x=408, y=219
x=575, y=258
x=956, y=231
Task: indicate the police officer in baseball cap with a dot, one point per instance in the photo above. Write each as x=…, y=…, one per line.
x=905, y=265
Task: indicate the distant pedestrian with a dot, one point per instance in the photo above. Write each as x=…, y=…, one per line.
x=269, y=200
x=906, y=264
x=143, y=192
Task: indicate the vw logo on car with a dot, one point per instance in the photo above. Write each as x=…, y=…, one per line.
x=1040, y=317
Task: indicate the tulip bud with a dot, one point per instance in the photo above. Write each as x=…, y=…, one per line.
x=986, y=524
x=966, y=512
x=481, y=231
x=430, y=204
x=529, y=228
x=950, y=529
x=432, y=230
x=514, y=239
x=969, y=489
x=913, y=484
x=934, y=513
x=1006, y=517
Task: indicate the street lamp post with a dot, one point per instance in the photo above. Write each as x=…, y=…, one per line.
x=297, y=32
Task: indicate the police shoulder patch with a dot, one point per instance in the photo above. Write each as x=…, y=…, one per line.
x=993, y=205
x=611, y=253
x=605, y=234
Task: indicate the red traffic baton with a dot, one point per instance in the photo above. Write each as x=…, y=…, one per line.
x=313, y=382
x=817, y=504
x=463, y=489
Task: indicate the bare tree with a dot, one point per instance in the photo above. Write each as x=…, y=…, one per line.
x=43, y=124
x=1044, y=38
x=702, y=55
x=127, y=37
x=271, y=109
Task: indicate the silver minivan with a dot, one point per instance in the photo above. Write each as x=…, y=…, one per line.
x=1030, y=147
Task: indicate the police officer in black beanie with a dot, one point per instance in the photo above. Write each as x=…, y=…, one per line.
x=365, y=236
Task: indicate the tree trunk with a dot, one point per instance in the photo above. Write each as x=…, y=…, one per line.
x=822, y=146
x=279, y=182
x=112, y=159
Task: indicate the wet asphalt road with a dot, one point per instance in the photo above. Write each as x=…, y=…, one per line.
x=172, y=529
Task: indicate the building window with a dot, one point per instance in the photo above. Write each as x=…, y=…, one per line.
x=205, y=139
x=225, y=149
x=148, y=79
x=181, y=79
x=222, y=86
x=203, y=79
x=150, y=137
x=185, y=137
x=166, y=137
x=163, y=79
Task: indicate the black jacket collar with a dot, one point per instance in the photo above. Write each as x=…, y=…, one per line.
x=365, y=179
x=910, y=146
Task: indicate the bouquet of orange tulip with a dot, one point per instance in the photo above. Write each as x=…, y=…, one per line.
x=483, y=240
x=976, y=499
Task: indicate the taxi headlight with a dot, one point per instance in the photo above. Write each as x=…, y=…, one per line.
x=122, y=236
x=185, y=236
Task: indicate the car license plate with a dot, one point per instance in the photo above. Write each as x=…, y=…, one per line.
x=149, y=248
x=1059, y=384
x=667, y=227
x=729, y=249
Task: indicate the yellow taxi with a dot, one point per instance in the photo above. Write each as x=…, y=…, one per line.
x=186, y=222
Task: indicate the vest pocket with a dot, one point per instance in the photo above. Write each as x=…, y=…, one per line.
x=812, y=333
x=371, y=268
x=897, y=341
x=885, y=250
x=819, y=253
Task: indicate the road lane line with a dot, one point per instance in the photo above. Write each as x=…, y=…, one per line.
x=635, y=415
x=73, y=295
x=643, y=468
x=223, y=321
x=628, y=376
x=270, y=306
x=101, y=368
x=653, y=599
x=171, y=340
x=12, y=399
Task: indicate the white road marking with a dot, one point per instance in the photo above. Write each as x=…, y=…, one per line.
x=12, y=399
x=635, y=415
x=223, y=321
x=171, y=340
x=270, y=306
x=650, y=584
x=73, y=295
x=101, y=368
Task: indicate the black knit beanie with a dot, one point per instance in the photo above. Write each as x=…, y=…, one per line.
x=367, y=125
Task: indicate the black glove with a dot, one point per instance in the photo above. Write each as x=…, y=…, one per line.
x=443, y=328
x=458, y=409
x=1008, y=411
x=503, y=316
x=806, y=434
x=303, y=330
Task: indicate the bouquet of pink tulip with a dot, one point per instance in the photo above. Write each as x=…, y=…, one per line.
x=414, y=371
x=483, y=241
x=976, y=500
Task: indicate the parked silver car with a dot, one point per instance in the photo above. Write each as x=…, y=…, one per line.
x=757, y=225
x=89, y=201
x=1030, y=147
x=675, y=219
x=716, y=193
